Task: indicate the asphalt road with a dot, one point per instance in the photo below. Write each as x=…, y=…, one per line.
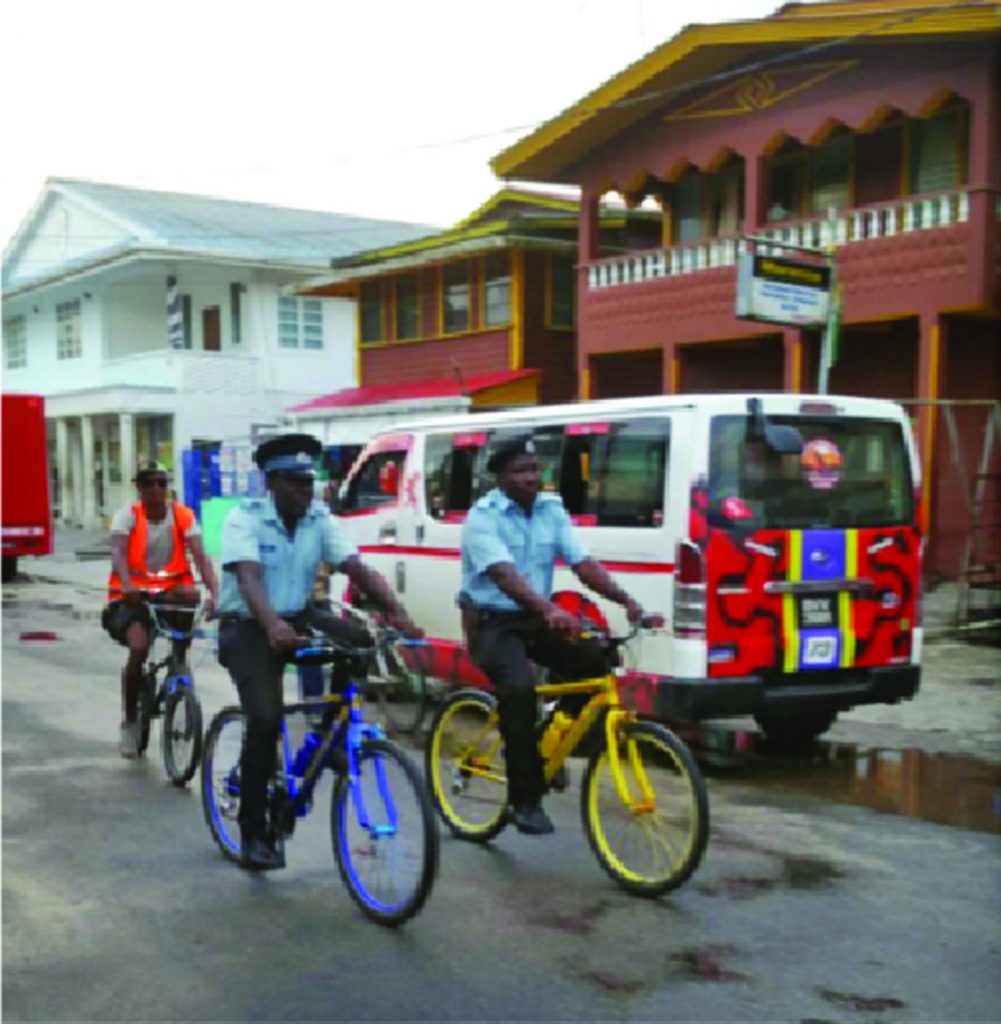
x=117, y=905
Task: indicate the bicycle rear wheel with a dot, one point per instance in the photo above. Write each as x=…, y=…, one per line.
x=464, y=761
x=401, y=689
x=221, y=779
x=182, y=735
x=651, y=837
x=384, y=834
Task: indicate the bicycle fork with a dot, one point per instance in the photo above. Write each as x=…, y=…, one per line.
x=646, y=802
x=358, y=732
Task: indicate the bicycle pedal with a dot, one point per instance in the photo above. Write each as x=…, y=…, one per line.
x=561, y=780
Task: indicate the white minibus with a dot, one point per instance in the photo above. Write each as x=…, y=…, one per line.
x=777, y=533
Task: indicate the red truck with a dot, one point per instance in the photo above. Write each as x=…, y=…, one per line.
x=27, y=512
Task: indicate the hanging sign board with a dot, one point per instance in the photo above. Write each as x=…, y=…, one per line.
x=782, y=291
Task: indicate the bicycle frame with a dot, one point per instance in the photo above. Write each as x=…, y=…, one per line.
x=348, y=730
x=605, y=697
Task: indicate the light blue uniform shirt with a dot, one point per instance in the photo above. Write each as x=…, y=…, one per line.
x=254, y=532
x=498, y=530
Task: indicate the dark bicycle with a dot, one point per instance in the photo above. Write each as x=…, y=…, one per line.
x=172, y=697
x=383, y=828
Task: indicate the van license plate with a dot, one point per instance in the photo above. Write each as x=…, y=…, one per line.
x=818, y=611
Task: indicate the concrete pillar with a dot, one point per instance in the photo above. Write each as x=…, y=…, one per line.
x=105, y=468
x=985, y=143
x=79, y=484
x=928, y=386
x=755, y=185
x=127, y=453
x=671, y=373
x=63, y=468
x=87, y=482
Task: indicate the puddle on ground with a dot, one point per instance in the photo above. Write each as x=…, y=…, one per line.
x=946, y=789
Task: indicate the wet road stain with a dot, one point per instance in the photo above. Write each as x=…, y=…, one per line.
x=704, y=963
x=867, y=1004
x=798, y=872
x=964, y=792
x=579, y=922
x=615, y=983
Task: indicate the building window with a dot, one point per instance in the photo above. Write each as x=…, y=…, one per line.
x=562, y=291
x=235, y=323
x=300, y=323
x=830, y=174
x=15, y=343
x=725, y=199
x=787, y=182
x=497, y=289
x=370, y=312
x=686, y=207
x=69, y=332
x=406, y=307
x=455, y=298
x=937, y=147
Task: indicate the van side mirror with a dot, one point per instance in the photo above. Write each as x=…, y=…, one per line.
x=778, y=438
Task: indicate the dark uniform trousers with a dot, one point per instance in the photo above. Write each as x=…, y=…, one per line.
x=257, y=670
x=504, y=645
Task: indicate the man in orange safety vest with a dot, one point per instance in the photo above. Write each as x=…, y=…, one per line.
x=150, y=541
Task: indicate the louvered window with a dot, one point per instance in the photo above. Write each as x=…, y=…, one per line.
x=937, y=157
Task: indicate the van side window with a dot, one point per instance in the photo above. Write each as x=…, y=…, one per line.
x=376, y=483
x=614, y=474
x=548, y=450
x=448, y=472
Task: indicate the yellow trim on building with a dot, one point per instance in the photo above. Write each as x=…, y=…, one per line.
x=517, y=309
x=931, y=421
x=518, y=392
x=550, y=147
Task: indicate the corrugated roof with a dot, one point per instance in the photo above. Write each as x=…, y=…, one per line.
x=439, y=388
x=241, y=229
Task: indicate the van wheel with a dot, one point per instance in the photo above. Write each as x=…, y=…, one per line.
x=793, y=731
x=9, y=568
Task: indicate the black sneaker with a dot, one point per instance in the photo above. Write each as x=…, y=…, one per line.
x=560, y=780
x=532, y=820
x=260, y=855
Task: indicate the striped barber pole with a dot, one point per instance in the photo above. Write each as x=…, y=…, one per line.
x=175, y=318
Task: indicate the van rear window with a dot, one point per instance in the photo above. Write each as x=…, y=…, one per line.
x=851, y=473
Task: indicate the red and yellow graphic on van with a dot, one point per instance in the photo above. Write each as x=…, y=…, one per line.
x=812, y=558
x=784, y=601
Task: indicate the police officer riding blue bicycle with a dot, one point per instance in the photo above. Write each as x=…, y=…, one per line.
x=271, y=549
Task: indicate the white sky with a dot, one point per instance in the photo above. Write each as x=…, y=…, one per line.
x=311, y=103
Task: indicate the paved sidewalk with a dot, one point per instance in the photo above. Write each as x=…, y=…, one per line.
x=957, y=710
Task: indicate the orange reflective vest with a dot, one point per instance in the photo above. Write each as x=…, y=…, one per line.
x=176, y=573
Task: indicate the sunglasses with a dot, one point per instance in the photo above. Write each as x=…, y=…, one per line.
x=160, y=481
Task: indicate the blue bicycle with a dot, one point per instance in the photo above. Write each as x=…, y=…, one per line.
x=172, y=697
x=383, y=828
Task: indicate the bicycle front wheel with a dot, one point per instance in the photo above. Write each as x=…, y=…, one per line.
x=401, y=688
x=384, y=834
x=182, y=735
x=146, y=709
x=221, y=779
x=649, y=827
x=465, y=766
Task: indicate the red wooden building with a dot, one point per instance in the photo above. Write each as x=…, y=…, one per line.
x=868, y=126
x=495, y=293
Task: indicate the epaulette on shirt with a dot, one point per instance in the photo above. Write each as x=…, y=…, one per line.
x=252, y=504
x=491, y=500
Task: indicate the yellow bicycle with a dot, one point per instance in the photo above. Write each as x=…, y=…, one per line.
x=643, y=801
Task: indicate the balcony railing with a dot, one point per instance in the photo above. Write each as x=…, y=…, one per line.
x=882, y=220
x=184, y=370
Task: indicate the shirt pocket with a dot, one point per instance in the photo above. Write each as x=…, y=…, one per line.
x=543, y=553
x=271, y=555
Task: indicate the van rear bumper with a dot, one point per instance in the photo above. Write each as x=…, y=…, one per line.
x=837, y=690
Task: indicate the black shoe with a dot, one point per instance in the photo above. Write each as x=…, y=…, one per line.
x=532, y=820
x=560, y=780
x=260, y=855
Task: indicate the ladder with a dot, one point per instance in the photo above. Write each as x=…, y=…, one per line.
x=980, y=570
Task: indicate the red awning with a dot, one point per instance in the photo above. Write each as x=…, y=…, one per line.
x=444, y=387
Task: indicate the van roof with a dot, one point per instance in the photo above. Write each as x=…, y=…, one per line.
x=777, y=401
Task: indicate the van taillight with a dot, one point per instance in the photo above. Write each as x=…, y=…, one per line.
x=689, y=591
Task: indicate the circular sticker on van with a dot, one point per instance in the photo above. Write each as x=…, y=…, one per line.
x=821, y=461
